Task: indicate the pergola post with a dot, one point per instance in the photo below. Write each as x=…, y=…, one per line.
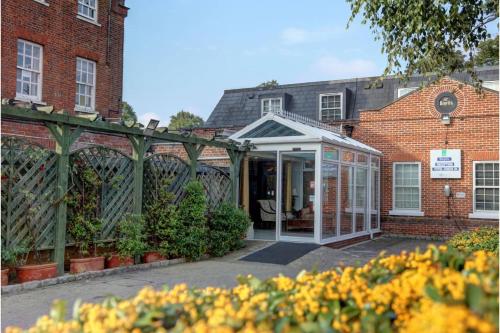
x=64, y=138
x=139, y=146
x=194, y=151
x=236, y=157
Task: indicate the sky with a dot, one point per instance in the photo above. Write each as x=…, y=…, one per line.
x=182, y=54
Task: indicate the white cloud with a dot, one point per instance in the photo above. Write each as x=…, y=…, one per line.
x=335, y=68
x=294, y=35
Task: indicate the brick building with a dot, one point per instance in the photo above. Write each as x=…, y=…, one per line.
x=65, y=54
x=409, y=123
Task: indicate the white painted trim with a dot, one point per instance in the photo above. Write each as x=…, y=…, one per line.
x=407, y=90
x=88, y=18
x=345, y=237
x=81, y=108
x=28, y=98
x=481, y=213
x=342, y=113
x=84, y=18
x=484, y=215
x=406, y=213
x=399, y=211
x=42, y=2
x=269, y=99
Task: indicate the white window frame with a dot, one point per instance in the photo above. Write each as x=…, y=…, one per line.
x=31, y=98
x=270, y=99
x=342, y=115
x=81, y=108
x=481, y=214
x=87, y=17
x=405, y=91
x=401, y=211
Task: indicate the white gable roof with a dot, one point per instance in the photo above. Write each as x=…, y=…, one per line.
x=311, y=132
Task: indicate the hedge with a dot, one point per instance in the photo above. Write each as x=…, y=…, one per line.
x=485, y=238
x=438, y=290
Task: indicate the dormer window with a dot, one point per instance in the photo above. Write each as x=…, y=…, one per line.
x=271, y=105
x=330, y=107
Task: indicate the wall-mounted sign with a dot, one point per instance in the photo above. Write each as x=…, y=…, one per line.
x=446, y=163
x=446, y=102
x=460, y=195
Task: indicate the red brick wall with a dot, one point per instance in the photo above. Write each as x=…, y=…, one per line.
x=408, y=129
x=65, y=37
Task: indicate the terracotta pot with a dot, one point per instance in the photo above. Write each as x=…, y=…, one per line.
x=117, y=261
x=36, y=272
x=5, y=277
x=86, y=265
x=152, y=256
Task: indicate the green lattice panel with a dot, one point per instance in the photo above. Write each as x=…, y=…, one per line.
x=216, y=183
x=116, y=172
x=29, y=175
x=164, y=166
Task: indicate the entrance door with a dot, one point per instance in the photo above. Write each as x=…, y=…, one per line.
x=296, y=195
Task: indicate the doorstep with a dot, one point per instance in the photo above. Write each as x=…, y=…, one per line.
x=20, y=287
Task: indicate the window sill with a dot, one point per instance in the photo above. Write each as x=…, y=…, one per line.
x=42, y=2
x=406, y=213
x=86, y=19
x=83, y=110
x=29, y=100
x=484, y=215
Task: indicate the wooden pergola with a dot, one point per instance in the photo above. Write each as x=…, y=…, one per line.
x=66, y=129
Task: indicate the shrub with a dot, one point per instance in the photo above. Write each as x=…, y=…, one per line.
x=194, y=231
x=439, y=290
x=228, y=225
x=479, y=239
x=131, y=241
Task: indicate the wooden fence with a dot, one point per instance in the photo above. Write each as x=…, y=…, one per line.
x=36, y=180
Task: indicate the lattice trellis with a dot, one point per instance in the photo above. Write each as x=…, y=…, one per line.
x=116, y=172
x=29, y=175
x=216, y=182
x=164, y=166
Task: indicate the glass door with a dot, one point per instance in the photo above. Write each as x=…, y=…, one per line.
x=297, y=189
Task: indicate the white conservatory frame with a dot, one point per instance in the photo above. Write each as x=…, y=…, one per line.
x=316, y=136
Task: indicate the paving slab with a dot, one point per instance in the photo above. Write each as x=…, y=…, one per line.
x=22, y=309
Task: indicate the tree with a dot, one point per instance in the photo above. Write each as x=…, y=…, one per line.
x=184, y=119
x=422, y=36
x=269, y=84
x=128, y=112
x=488, y=52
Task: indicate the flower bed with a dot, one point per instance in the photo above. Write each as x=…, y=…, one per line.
x=439, y=290
x=479, y=239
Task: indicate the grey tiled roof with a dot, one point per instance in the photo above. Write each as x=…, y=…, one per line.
x=240, y=107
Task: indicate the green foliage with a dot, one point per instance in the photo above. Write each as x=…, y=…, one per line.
x=15, y=255
x=422, y=36
x=83, y=209
x=269, y=84
x=184, y=119
x=194, y=232
x=128, y=113
x=228, y=226
x=488, y=52
x=480, y=239
x=132, y=240
x=162, y=223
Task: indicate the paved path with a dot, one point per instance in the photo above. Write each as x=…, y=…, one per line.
x=22, y=309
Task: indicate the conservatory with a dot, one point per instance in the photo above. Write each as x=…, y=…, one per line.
x=304, y=181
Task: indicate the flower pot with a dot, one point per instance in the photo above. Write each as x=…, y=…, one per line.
x=152, y=256
x=117, y=261
x=86, y=265
x=5, y=277
x=36, y=272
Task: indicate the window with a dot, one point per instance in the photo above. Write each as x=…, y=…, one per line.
x=405, y=91
x=406, y=189
x=271, y=105
x=330, y=107
x=29, y=71
x=486, y=187
x=88, y=9
x=85, y=85
x=491, y=85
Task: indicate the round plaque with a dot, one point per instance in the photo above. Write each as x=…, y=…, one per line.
x=446, y=102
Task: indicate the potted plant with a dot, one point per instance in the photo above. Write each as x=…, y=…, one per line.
x=9, y=260
x=83, y=223
x=131, y=242
x=41, y=268
x=160, y=215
